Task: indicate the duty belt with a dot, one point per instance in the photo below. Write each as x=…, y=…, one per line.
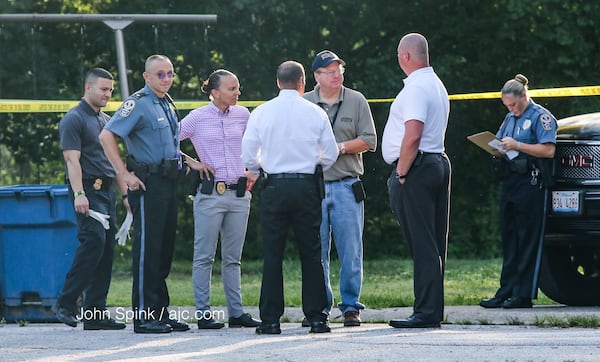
x=291, y=175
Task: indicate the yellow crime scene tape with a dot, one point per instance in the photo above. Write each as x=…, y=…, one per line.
x=45, y=106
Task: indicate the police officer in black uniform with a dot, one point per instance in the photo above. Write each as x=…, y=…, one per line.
x=530, y=130
x=91, y=178
x=148, y=123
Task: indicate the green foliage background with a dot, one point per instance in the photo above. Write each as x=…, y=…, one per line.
x=475, y=46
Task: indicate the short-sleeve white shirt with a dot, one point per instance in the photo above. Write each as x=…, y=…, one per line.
x=423, y=98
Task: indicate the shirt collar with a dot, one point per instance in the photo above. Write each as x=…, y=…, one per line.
x=213, y=108
x=417, y=73
x=288, y=92
x=318, y=94
x=87, y=108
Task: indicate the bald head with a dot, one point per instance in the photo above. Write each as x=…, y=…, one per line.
x=414, y=51
x=156, y=58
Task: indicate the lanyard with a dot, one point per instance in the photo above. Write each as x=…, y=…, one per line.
x=164, y=103
x=339, y=105
x=336, y=113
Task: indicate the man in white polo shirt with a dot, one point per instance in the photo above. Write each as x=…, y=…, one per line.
x=419, y=186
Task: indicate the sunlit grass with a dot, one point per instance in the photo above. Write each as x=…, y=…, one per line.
x=387, y=283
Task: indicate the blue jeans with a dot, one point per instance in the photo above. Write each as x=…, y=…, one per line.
x=343, y=218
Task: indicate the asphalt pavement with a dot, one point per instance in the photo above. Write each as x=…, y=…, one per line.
x=469, y=333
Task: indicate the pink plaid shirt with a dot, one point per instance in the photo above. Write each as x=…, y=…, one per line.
x=217, y=138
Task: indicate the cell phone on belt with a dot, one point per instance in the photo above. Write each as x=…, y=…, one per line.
x=359, y=191
x=208, y=185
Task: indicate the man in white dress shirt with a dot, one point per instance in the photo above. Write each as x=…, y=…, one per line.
x=287, y=138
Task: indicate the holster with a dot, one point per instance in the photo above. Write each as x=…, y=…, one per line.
x=240, y=190
x=320, y=181
x=520, y=165
x=138, y=169
x=195, y=182
x=170, y=168
x=263, y=179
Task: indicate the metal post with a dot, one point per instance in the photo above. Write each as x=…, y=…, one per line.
x=117, y=22
x=118, y=26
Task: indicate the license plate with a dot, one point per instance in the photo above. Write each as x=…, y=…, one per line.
x=565, y=202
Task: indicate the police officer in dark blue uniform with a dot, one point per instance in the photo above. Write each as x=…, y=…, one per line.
x=530, y=130
x=148, y=123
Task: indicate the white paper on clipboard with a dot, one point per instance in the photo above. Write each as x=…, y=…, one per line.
x=488, y=142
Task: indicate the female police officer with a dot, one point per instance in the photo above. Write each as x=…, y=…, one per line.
x=529, y=129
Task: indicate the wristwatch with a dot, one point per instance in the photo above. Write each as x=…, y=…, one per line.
x=342, y=147
x=76, y=194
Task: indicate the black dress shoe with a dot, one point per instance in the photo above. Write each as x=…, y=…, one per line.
x=107, y=324
x=413, y=322
x=517, y=302
x=151, y=327
x=319, y=327
x=273, y=328
x=175, y=325
x=245, y=320
x=65, y=316
x=210, y=323
x=494, y=302
x=305, y=322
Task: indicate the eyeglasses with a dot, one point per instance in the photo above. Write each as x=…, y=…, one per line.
x=339, y=71
x=162, y=75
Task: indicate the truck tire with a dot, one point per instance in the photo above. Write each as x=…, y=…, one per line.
x=571, y=275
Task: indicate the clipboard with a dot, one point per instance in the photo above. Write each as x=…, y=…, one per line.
x=488, y=142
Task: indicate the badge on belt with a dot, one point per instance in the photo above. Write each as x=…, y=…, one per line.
x=98, y=184
x=221, y=187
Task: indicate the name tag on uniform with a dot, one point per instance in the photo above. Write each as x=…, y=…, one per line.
x=160, y=119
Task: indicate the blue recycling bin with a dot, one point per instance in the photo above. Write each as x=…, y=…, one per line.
x=38, y=238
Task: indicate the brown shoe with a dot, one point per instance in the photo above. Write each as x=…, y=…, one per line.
x=352, y=318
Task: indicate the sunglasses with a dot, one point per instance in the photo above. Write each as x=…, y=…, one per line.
x=162, y=75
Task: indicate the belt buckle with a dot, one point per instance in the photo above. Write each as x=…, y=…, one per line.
x=98, y=184
x=221, y=187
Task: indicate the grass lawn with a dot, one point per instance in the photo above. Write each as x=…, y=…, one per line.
x=387, y=283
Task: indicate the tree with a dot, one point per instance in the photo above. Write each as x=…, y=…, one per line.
x=474, y=46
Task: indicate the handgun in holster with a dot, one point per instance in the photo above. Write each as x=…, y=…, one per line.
x=140, y=172
x=195, y=183
x=263, y=179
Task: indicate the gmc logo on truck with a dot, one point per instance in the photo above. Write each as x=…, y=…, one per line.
x=577, y=161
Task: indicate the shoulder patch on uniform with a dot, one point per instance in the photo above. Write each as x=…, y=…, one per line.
x=127, y=107
x=546, y=121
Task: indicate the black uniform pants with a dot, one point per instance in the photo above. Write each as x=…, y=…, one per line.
x=421, y=205
x=521, y=226
x=154, y=228
x=91, y=270
x=295, y=203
